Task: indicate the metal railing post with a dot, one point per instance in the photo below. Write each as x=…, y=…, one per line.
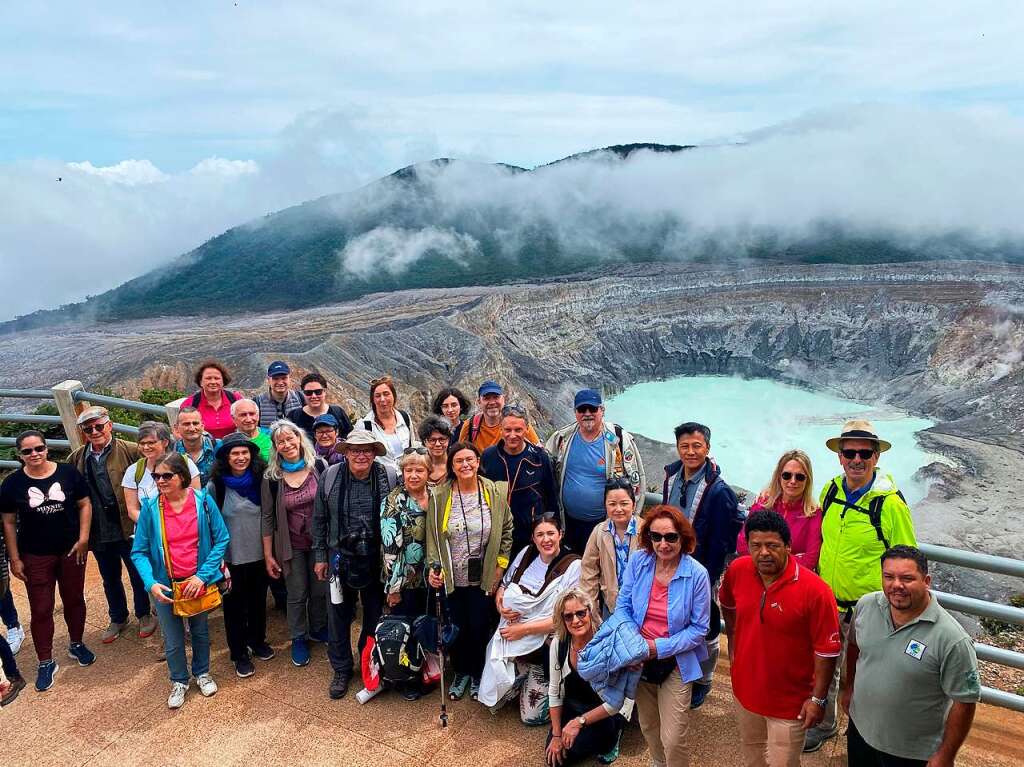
x=63, y=397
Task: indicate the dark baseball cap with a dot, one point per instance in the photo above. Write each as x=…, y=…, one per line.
x=278, y=368
x=489, y=387
x=587, y=397
x=325, y=420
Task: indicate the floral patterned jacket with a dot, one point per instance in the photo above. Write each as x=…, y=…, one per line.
x=402, y=532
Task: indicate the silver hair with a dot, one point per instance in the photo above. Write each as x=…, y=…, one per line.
x=407, y=458
x=154, y=429
x=237, y=402
x=274, y=470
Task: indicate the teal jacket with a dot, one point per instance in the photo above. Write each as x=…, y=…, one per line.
x=148, y=549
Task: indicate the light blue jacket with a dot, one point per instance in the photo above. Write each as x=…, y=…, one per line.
x=606, y=659
x=148, y=549
x=689, y=608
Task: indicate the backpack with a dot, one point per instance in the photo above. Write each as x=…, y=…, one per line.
x=874, y=511
x=619, y=445
x=396, y=652
x=368, y=425
x=198, y=396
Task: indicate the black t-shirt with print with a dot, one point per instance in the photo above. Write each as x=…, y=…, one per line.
x=47, y=509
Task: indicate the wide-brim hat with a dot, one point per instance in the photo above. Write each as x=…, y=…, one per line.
x=235, y=439
x=362, y=437
x=857, y=428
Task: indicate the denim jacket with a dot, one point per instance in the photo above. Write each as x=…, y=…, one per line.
x=689, y=608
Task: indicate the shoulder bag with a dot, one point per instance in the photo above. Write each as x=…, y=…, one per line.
x=185, y=607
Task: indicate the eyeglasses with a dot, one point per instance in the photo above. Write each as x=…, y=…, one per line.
x=149, y=443
x=576, y=615
x=30, y=450
x=587, y=409
x=94, y=427
x=417, y=450
x=313, y=392
x=788, y=475
x=863, y=454
x=361, y=450
x=517, y=411
x=667, y=537
x=163, y=476
x=437, y=440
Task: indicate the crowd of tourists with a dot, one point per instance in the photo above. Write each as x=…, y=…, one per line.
x=532, y=568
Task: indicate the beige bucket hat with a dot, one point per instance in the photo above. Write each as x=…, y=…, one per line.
x=857, y=428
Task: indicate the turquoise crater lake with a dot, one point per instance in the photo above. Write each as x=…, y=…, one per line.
x=753, y=421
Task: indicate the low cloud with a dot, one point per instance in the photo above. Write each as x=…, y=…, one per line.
x=394, y=249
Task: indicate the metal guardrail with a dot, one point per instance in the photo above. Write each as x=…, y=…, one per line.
x=61, y=443
x=27, y=393
x=127, y=404
x=972, y=559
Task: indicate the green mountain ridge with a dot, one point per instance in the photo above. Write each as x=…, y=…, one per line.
x=452, y=223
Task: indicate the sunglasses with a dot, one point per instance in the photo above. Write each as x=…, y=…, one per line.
x=862, y=454
x=378, y=381
x=417, y=450
x=94, y=427
x=30, y=450
x=667, y=537
x=788, y=475
x=587, y=409
x=163, y=476
x=576, y=615
x=513, y=410
x=313, y=392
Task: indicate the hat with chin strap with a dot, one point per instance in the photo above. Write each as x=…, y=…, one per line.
x=857, y=428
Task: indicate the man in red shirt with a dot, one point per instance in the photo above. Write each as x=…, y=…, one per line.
x=783, y=630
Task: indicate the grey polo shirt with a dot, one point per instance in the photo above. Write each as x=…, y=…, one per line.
x=908, y=678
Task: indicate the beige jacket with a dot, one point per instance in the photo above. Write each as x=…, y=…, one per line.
x=597, y=578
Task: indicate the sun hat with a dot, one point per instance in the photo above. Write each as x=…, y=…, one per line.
x=362, y=437
x=857, y=428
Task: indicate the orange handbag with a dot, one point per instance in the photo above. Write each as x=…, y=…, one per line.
x=186, y=607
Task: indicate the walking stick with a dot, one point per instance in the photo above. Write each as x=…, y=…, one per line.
x=440, y=649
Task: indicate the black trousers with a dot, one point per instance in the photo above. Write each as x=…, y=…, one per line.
x=860, y=754
x=474, y=613
x=245, y=609
x=339, y=623
x=594, y=739
x=577, y=533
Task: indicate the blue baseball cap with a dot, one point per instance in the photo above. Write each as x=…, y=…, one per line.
x=489, y=387
x=278, y=368
x=587, y=397
x=325, y=420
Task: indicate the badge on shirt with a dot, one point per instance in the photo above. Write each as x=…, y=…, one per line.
x=915, y=649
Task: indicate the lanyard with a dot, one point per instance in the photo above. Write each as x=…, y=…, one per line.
x=465, y=524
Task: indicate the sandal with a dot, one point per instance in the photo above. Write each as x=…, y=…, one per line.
x=458, y=689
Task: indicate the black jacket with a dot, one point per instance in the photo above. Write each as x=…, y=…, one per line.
x=532, y=491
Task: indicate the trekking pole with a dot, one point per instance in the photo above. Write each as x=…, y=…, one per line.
x=440, y=649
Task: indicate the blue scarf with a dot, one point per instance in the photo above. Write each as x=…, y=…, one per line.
x=244, y=485
x=288, y=466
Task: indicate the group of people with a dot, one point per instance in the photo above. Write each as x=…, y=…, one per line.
x=565, y=594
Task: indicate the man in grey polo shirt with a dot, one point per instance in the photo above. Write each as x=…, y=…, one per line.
x=912, y=675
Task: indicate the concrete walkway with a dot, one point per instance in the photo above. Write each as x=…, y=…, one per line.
x=115, y=713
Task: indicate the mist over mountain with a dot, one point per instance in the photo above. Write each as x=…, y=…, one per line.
x=830, y=189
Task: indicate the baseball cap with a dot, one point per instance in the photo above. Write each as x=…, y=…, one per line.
x=587, y=397
x=325, y=420
x=489, y=387
x=278, y=368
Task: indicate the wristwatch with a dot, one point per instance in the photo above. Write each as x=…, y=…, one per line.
x=821, y=702
x=582, y=720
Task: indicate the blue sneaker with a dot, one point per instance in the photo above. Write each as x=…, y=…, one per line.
x=44, y=676
x=81, y=653
x=300, y=652
x=700, y=692
x=319, y=636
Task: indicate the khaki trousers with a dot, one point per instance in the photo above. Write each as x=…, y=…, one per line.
x=664, y=710
x=767, y=741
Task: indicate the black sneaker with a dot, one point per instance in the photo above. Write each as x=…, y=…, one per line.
x=244, y=668
x=339, y=685
x=262, y=651
x=14, y=686
x=700, y=692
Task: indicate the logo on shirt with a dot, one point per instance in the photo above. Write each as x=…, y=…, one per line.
x=37, y=499
x=916, y=649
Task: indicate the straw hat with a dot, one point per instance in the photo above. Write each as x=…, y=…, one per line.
x=857, y=428
x=362, y=437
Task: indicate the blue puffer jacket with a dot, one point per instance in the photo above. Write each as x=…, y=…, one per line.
x=148, y=549
x=603, y=662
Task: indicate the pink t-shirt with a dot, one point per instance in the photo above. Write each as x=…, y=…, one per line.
x=805, y=531
x=217, y=421
x=183, y=538
x=656, y=621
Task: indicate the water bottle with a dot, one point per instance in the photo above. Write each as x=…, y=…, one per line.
x=337, y=595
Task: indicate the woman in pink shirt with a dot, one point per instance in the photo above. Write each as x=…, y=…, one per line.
x=789, y=495
x=213, y=400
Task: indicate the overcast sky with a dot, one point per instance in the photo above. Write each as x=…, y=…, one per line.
x=168, y=122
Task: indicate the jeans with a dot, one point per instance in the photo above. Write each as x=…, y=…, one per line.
x=109, y=557
x=173, y=629
x=8, y=612
x=474, y=613
x=339, y=624
x=42, y=574
x=307, y=596
x=245, y=609
x=7, y=661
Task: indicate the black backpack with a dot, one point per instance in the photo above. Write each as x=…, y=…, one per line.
x=397, y=653
x=229, y=395
x=874, y=510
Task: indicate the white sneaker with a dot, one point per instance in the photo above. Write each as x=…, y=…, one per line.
x=177, y=697
x=206, y=685
x=15, y=638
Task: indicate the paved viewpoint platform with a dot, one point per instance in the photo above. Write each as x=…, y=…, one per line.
x=115, y=713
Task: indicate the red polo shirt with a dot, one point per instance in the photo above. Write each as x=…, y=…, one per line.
x=777, y=633
x=217, y=421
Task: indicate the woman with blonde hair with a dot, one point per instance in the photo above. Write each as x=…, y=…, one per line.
x=791, y=495
x=582, y=726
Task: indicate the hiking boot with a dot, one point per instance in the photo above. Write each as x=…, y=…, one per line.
x=14, y=686
x=410, y=691
x=112, y=632
x=206, y=685
x=319, y=636
x=300, y=652
x=147, y=626
x=161, y=653
x=816, y=737
x=700, y=692
x=44, y=676
x=177, y=697
x=244, y=668
x=339, y=685
x=15, y=638
x=459, y=686
x=81, y=653
x=262, y=651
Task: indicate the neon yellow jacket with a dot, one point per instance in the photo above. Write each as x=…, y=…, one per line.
x=850, y=561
